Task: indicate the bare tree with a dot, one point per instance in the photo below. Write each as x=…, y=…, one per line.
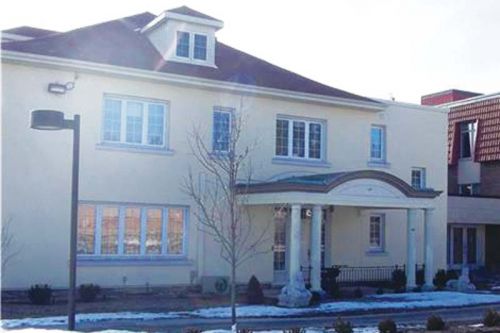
x=220, y=198
x=9, y=248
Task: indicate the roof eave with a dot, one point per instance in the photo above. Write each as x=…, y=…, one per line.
x=180, y=17
x=57, y=62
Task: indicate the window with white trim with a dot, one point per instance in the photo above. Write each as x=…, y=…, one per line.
x=469, y=189
x=134, y=122
x=468, y=132
x=193, y=46
x=221, y=132
x=377, y=143
x=377, y=229
x=300, y=139
x=131, y=230
x=418, y=178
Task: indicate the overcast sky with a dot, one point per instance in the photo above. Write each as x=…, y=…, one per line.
x=374, y=48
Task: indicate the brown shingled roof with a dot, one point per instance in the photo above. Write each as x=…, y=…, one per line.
x=487, y=114
x=119, y=42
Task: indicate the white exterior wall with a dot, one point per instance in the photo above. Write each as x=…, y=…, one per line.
x=37, y=165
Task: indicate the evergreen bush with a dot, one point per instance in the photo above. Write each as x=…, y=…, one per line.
x=435, y=323
x=398, y=280
x=40, y=294
x=342, y=326
x=88, y=292
x=387, y=326
x=491, y=318
x=254, y=291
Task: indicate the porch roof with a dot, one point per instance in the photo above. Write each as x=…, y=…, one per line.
x=369, y=188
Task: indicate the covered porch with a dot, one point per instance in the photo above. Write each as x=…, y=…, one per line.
x=307, y=199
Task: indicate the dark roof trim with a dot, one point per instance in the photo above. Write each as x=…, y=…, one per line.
x=326, y=182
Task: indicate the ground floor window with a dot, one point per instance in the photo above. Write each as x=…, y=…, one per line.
x=377, y=232
x=131, y=230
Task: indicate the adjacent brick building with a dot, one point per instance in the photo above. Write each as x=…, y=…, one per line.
x=473, y=176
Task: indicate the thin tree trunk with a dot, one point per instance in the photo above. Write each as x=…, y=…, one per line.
x=233, y=295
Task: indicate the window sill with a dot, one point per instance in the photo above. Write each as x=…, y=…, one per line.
x=376, y=253
x=98, y=260
x=301, y=162
x=133, y=148
x=378, y=164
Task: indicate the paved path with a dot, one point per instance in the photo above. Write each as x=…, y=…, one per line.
x=472, y=314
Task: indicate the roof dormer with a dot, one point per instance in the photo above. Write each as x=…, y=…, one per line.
x=184, y=35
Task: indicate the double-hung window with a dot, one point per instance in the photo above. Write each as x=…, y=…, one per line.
x=301, y=139
x=221, y=133
x=182, y=48
x=134, y=122
x=418, y=178
x=192, y=46
x=377, y=144
x=377, y=232
x=468, y=132
x=130, y=231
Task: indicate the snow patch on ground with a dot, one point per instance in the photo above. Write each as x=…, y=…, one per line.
x=403, y=301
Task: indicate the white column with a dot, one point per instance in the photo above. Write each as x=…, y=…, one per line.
x=316, y=248
x=428, y=247
x=411, y=254
x=294, y=266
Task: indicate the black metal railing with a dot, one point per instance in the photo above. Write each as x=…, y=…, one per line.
x=366, y=275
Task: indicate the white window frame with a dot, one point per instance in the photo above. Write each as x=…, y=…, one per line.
x=381, y=246
x=221, y=109
x=306, y=122
x=383, y=143
x=145, y=122
x=190, y=57
x=472, y=138
x=142, y=236
x=422, y=183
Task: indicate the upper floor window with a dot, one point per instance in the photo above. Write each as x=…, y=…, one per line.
x=299, y=138
x=468, y=132
x=200, y=47
x=377, y=232
x=182, y=49
x=221, y=130
x=131, y=230
x=134, y=122
x=468, y=189
x=377, y=144
x=418, y=178
x=191, y=45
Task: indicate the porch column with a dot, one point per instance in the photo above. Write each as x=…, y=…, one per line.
x=316, y=248
x=294, y=243
x=428, y=247
x=411, y=254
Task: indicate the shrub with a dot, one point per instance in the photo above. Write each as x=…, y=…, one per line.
x=387, y=326
x=398, y=280
x=440, y=279
x=88, y=292
x=342, y=326
x=329, y=281
x=315, y=298
x=435, y=323
x=380, y=291
x=254, y=291
x=420, y=277
x=40, y=294
x=491, y=318
x=358, y=293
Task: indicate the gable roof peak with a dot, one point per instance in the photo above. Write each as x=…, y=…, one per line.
x=185, y=10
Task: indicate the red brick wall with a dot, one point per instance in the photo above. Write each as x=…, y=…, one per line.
x=490, y=178
x=446, y=97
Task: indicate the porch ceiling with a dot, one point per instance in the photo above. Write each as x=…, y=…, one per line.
x=363, y=188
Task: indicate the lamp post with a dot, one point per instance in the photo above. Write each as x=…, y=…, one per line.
x=50, y=120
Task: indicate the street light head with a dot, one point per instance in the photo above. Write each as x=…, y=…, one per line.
x=47, y=120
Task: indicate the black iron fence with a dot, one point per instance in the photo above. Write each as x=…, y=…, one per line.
x=367, y=275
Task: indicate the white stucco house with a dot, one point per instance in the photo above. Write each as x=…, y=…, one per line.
x=361, y=179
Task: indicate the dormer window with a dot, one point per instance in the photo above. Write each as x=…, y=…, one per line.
x=184, y=35
x=182, y=49
x=191, y=46
x=200, y=47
